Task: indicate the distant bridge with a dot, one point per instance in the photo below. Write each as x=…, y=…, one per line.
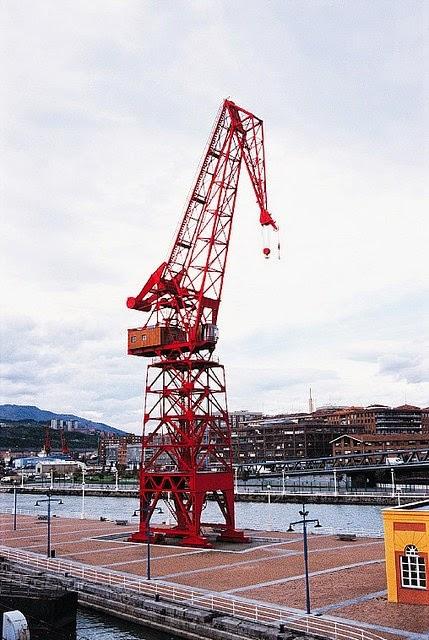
x=403, y=459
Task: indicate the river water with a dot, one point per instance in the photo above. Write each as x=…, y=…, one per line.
x=256, y=515
x=276, y=517
x=92, y=626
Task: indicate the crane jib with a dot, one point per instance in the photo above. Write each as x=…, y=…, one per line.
x=183, y=294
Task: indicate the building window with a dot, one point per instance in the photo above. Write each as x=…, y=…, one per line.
x=133, y=339
x=413, y=570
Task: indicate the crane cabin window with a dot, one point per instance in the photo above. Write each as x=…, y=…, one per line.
x=413, y=569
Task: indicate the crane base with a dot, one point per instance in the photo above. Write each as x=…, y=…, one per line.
x=160, y=536
x=233, y=536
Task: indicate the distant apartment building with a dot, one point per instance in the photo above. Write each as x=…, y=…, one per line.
x=65, y=425
x=116, y=450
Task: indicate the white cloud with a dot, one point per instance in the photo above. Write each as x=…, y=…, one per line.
x=107, y=110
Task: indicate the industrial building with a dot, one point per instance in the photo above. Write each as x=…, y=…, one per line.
x=58, y=467
x=30, y=462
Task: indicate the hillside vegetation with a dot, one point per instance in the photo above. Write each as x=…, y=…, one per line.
x=28, y=435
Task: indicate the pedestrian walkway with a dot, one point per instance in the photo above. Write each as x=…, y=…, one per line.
x=347, y=578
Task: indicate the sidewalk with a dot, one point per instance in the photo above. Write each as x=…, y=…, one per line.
x=347, y=578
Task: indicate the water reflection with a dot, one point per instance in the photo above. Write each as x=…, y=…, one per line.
x=92, y=626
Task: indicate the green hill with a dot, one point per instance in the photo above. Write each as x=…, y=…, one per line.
x=28, y=435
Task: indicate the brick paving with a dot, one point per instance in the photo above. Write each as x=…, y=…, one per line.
x=347, y=578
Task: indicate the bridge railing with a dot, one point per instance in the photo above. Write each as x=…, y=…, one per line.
x=232, y=605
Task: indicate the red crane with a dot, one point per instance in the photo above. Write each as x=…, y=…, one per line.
x=65, y=449
x=47, y=442
x=187, y=437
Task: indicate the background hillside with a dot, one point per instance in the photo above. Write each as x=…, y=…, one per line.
x=27, y=412
x=28, y=435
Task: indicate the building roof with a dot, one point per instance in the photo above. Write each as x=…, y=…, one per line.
x=377, y=406
x=369, y=438
x=392, y=437
x=346, y=435
x=408, y=407
x=421, y=505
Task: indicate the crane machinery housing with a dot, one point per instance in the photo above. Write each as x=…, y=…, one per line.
x=186, y=445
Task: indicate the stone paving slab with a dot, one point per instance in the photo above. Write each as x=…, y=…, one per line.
x=324, y=592
x=408, y=617
x=348, y=576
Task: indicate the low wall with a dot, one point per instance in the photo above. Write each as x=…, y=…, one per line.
x=291, y=498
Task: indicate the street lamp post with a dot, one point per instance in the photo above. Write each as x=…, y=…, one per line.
x=392, y=472
x=335, y=484
x=14, y=506
x=82, y=512
x=49, y=499
x=305, y=522
x=270, y=520
x=399, y=493
x=146, y=515
x=116, y=479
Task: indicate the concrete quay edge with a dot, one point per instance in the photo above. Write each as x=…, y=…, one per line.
x=288, y=498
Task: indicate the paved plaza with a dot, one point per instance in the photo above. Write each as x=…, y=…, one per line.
x=347, y=578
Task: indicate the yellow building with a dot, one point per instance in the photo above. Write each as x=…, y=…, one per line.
x=406, y=538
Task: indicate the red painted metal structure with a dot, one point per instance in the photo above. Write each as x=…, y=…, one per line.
x=65, y=449
x=47, y=441
x=187, y=436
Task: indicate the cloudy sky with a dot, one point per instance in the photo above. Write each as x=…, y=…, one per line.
x=106, y=109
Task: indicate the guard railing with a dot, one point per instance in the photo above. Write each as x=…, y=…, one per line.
x=264, y=613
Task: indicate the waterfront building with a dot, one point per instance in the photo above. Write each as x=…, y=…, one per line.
x=326, y=431
x=30, y=462
x=425, y=420
x=125, y=451
x=377, y=418
x=238, y=418
x=347, y=444
x=406, y=536
x=58, y=467
x=281, y=438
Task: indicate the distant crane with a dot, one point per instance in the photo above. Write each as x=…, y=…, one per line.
x=65, y=449
x=187, y=436
x=47, y=441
